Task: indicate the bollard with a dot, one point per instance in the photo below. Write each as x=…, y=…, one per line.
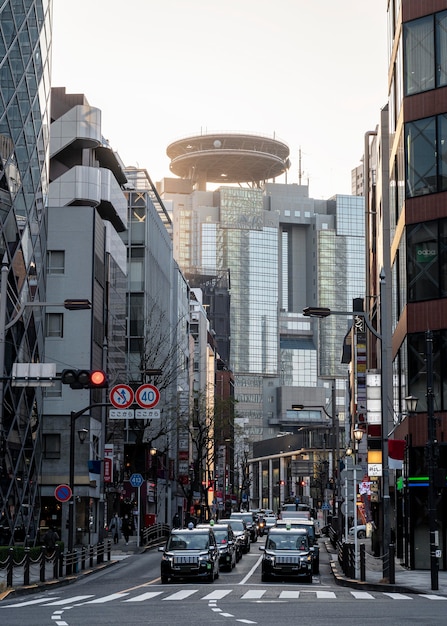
x=83, y=558
x=10, y=567
x=42, y=564
x=26, y=564
x=91, y=552
x=362, y=562
x=57, y=550
x=392, y=563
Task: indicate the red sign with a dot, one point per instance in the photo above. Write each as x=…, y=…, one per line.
x=121, y=396
x=147, y=396
x=63, y=493
x=107, y=469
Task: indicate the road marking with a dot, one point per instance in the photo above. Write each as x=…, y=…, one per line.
x=251, y=572
x=362, y=595
x=253, y=594
x=28, y=603
x=112, y=596
x=217, y=595
x=397, y=596
x=432, y=596
x=144, y=596
x=289, y=595
x=181, y=595
x=326, y=595
x=68, y=600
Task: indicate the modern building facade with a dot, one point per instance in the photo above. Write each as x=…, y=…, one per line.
x=418, y=218
x=86, y=259
x=282, y=251
x=25, y=46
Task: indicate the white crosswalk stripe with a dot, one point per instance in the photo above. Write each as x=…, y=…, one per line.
x=220, y=594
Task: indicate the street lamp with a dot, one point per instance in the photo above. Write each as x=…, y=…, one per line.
x=386, y=401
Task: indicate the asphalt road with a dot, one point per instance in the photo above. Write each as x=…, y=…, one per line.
x=129, y=593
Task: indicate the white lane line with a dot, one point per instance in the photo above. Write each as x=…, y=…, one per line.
x=104, y=599
x=432, y=596
x=246, y=621
x=144, y=596
x=217, y=595
x=397, y=596
x=250, y=573
x=181, y=595
x=253, y=594
x=68, y=600
x=362, y=595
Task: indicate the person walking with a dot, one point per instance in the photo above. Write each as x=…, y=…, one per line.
x=176, y=521
x=115, y=528
x=50, y=539
x=127, y=529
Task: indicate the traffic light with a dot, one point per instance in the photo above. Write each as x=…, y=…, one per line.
x=85, y=379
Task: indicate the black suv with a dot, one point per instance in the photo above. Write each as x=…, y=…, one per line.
x=241, y=533
x=287, y=553
x=249, y=520
x=190, y=553
x=226, y=543
x=309, y=526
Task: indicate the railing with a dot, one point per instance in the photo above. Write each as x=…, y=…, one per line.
x=155, y=535
x=44, y=565
x=50, y=565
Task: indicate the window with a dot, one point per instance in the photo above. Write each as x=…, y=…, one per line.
x=421, y=157
x=52, y=446
x=54, y=324
x=55, y=262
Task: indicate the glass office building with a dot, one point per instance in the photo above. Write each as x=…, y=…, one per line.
x=25, y=41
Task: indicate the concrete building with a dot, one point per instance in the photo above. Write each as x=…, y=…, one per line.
x=86, y=258
x=25, y=44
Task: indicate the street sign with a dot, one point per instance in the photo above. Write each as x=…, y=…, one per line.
x=121, y=396
x=121, y=414
x=136, y=480
x=147, y=414
x=63, y=493
x=147, y=396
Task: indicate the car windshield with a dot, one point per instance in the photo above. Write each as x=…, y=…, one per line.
x=221, y=536
x=236, y=524
x=188, y=541
x=287, y=541
x=247, y=517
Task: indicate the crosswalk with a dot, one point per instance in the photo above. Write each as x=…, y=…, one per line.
x=215, y=595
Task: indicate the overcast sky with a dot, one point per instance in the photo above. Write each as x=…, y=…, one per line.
x=311, y=72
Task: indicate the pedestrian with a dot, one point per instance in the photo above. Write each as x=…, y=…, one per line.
x=127, y=529
x=115, y=528
x=176, y=521
x=50, y=538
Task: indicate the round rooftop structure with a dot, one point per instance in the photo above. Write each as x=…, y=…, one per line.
x=228, y=158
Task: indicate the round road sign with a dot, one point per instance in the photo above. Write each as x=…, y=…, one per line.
x=63, y=493
x=121, y=396
x=147, y=396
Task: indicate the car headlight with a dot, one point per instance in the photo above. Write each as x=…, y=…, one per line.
x=167, y=558
x=269, y=557
x=203, y=558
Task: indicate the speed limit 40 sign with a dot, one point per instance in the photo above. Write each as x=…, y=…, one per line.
x=147, y=396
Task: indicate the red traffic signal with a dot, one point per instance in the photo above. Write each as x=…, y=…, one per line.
x=85, y=379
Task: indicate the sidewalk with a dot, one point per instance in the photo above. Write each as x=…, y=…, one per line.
x=119, y=552
x=407, y=581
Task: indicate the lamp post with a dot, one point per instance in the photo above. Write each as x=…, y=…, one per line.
x=386, y=402
x=432, y=463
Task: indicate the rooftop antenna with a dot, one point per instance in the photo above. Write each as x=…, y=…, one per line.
x=300, y=173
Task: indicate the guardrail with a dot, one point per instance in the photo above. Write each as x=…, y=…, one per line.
x=40, y=565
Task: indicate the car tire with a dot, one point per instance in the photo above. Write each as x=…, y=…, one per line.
x=265, y=577
x=316, y=567
x=308, y=578
x=164, y=580
x=361, y=534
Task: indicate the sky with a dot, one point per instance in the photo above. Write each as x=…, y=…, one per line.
x=312, y=73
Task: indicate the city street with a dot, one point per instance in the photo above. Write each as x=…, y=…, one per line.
x=130, y=593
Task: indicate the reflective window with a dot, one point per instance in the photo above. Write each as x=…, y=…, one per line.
x=420, y=141
x=419, y=55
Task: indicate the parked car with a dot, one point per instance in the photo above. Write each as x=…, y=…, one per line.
x=226, y=542
x=248, y=518
x=242, y=534
x=287, y=554
x=361, y=532
x=190, y=553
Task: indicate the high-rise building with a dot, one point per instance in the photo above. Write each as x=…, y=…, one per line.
x=281, y=252
x=25, y=43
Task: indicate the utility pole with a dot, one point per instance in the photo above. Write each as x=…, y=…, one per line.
x=431, y=461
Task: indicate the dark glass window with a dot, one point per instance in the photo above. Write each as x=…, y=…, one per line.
x=417, y=368
x=421, y=171
x=423, y=261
